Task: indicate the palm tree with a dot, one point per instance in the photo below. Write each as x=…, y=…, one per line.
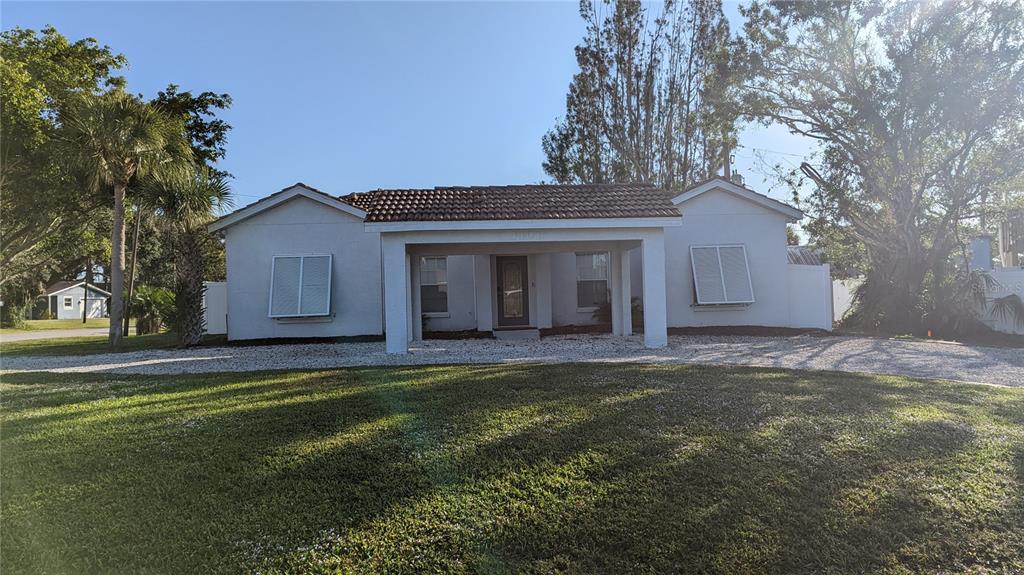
x=116, y=137
x=186, y=203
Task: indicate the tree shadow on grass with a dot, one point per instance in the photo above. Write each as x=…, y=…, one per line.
x=539, y=467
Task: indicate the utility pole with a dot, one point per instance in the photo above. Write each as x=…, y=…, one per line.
x=131, y=272
x=85, y=292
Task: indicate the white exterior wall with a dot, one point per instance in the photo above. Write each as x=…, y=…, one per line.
x=303, y=226
x=97, y=304
x=564, y=308
x=718, y=217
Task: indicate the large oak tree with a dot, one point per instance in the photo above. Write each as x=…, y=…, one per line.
x=919, y=107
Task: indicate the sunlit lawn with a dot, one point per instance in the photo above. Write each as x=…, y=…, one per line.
x=88, y=345
x=563, y=468
x=41, y=324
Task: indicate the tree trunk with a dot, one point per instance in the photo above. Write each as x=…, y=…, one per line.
x=117, y=266
x=131, y=272
x=188, y=297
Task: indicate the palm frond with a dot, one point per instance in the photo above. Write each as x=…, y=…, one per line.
x=1007, y=308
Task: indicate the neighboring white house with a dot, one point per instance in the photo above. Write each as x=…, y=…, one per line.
x=66, y=298
x=303, y=263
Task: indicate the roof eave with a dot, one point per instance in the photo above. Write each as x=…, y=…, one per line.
x=279, y=198
x=792, y=214
x=537, y=224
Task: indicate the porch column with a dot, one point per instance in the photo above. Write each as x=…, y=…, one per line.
x=484, y=292
x=626, y=292
x=655, y=309
x=396, y=294
x=417, y=300
x=542, y=279
x=616, y=287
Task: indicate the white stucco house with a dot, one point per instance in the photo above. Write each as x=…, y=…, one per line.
x=303, y=263
x=65, y=300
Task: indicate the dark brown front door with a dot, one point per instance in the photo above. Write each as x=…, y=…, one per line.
x=513, y=291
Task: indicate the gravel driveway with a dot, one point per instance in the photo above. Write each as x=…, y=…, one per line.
x=998, y=366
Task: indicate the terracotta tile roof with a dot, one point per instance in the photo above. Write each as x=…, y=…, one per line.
x=526, y=202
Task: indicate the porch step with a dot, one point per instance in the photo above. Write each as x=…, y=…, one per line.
x=510, y=334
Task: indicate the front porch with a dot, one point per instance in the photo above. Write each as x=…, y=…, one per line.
x=512, y=275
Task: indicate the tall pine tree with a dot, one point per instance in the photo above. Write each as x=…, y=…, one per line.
x=654, y=99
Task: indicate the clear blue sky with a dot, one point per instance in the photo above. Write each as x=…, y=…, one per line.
x=354, y=96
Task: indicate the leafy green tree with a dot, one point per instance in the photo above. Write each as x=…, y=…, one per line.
x=207, y=135
x=46, y=205
x=187, y=203
x=115, y=137
x=919, y=109
x=654, y=98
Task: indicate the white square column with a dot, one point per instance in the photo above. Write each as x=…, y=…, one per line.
x=417, y=300
x=625, y=293
x=542, y=279
x=484, y=292
x=615, y=285
x=655, y=308
x=396, y=294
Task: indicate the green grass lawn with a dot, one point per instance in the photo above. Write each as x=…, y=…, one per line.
x=501, y=469
x=41, y=324
x=86, y=345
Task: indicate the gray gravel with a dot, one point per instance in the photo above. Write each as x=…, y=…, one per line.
x=938, y=360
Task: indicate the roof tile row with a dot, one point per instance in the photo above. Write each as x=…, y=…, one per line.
x=524, y=202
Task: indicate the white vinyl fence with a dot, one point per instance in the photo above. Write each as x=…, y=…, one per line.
x=842, y=296
x=810, y=296
x=215, y=307
x=1010, y=281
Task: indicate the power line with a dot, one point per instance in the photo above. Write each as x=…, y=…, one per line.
x=774, y=151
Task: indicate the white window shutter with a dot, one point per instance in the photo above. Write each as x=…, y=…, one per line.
x=707, y=275
x=316, y=285
x=736, y=274
x=721, y=275
x=284, y=290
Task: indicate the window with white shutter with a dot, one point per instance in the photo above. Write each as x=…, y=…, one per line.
x=300, y=286
x=721, y=275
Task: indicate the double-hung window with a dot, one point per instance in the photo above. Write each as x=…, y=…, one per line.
x=68, y=302
x=434, y=284
x=721, y=275
x=300, y=286
x=591, y=280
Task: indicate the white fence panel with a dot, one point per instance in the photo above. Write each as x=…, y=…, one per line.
x=215, y=307
x=1011, y=281
x=810, y=296
x=842, y=296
